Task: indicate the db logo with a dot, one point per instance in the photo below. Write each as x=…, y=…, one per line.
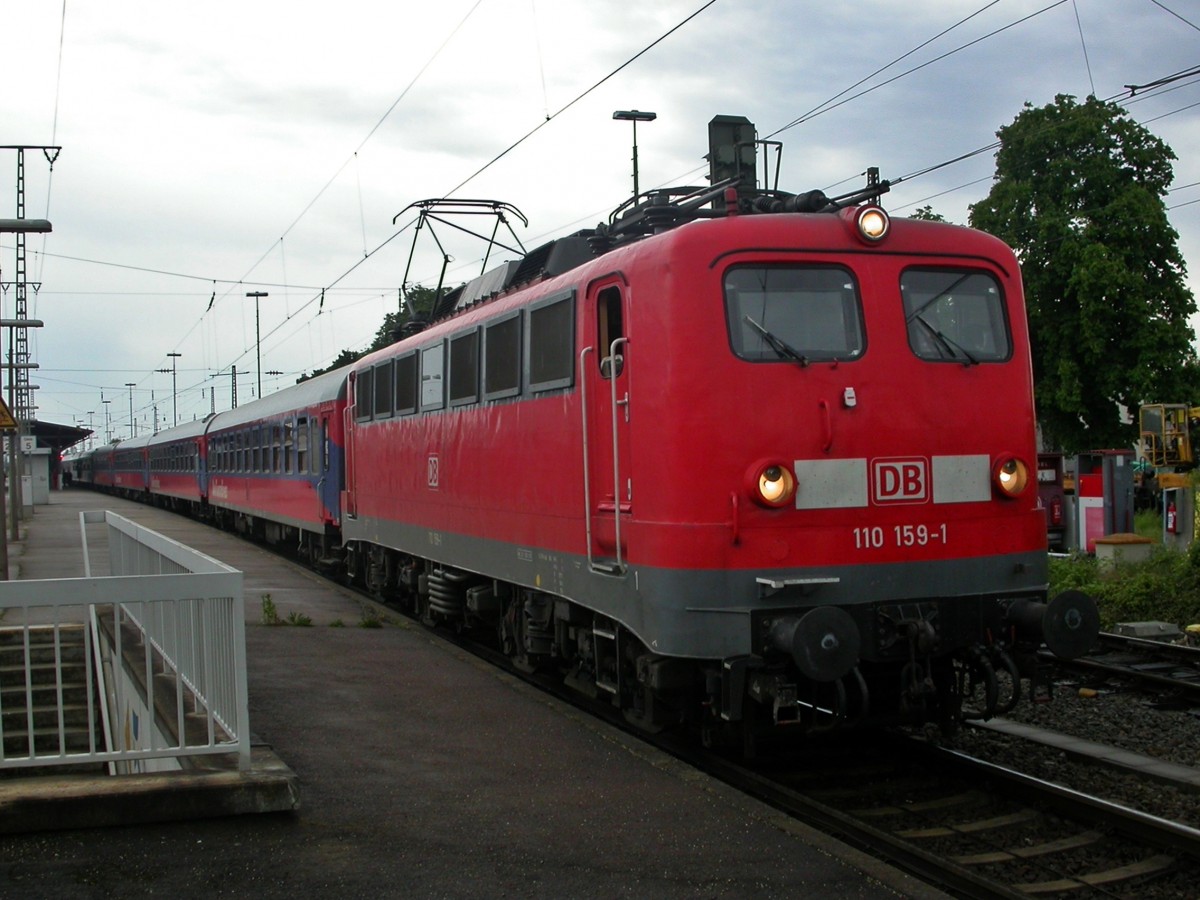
x=899, y=480
x=432, y=473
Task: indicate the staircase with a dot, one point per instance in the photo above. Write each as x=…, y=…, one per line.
x=46, y=688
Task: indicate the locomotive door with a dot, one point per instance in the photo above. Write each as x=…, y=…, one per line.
x=349, y=504
x=608, y=478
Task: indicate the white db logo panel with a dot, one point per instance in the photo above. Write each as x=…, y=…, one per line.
x=899, y=480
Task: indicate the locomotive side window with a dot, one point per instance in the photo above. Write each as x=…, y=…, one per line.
x=955, y=315
x=793, y=313
x=550, y=344
x=433, y=360
x=383, y=390
x=363, y=405
x=609, y=327
x=502, y=357
x=464, y=368
x=406, y=384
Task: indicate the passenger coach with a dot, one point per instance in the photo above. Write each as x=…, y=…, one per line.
x=274, y=466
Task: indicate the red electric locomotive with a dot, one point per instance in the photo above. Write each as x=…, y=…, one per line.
x=761, y=461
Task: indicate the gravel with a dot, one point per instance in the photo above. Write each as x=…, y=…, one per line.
x=1127, y=719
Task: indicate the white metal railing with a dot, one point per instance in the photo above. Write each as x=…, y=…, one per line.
x=167, y=626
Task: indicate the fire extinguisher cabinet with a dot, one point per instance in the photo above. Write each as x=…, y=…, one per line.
x=1179, y=517
x=1104, y=495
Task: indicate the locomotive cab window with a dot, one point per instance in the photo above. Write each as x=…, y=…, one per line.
x=610, y=327
x=793, y=313
x=955, y=315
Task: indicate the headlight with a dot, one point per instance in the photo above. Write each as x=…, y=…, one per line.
x=772, y=484
x=873, y=224
x=1010, y=476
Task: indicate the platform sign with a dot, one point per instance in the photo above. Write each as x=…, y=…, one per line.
x=7, y=422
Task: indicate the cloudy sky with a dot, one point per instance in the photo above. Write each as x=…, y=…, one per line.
x=210, y=150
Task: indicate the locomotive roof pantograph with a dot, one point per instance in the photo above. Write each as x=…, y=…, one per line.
x=732, y=190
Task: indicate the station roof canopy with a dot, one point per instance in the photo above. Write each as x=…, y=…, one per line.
x=57, y=437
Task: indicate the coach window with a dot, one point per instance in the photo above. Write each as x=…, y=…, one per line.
x=277, y=448
x=302, y=445
x=383, y=389
x=502, y=357
x=289, y=440
x=609, y=327
x=464, y=368
x=795, y=314
x=550, y=343
x=363, y=407
x=955, y=315
x=433, y=372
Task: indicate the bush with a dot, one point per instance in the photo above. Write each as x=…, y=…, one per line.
x=1164, y=588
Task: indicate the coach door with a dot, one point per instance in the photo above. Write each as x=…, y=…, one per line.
x=608, y=476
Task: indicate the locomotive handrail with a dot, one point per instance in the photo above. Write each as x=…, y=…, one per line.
x=612, y=381
x=587, y=472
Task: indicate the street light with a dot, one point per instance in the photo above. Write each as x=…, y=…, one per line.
x=132, y=425
x=257, y=336
x=634, y=116
x=174, y=395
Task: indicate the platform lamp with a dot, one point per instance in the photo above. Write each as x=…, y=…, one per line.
x=174, y=394
x=15, y=226
x=634, y=116
x=257, y=295
x=132, y=424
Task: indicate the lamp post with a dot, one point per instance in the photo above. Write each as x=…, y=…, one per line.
x=107, y=422
x=132, y=425
x=174, y=394
x=257, y=336
x=634, y=116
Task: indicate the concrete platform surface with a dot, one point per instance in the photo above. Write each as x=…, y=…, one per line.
x=424, y=773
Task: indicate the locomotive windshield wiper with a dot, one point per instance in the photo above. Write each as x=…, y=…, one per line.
x=951, y=347
x=945, y=292
x=778, y=344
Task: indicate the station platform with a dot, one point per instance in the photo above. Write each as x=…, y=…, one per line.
x=422, y=772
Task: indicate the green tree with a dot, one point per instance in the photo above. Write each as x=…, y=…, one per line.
x=1078, y=193
x=926, y=214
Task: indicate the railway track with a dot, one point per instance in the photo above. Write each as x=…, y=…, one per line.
x=969, y=827
x=1154, y=666
x=976, y=829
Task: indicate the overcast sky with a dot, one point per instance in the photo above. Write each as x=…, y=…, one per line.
x=213, y=149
